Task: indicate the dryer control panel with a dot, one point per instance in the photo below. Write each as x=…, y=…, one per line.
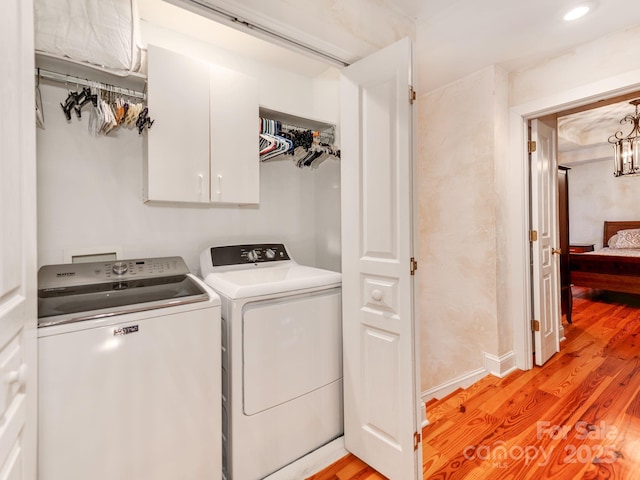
x=244, y=254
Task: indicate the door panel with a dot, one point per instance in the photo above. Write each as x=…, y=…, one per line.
x=18, y=309
x=380, y=367
x=378, y=178
x=546, y=260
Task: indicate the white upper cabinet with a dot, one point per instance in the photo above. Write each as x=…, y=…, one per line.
x=235, y=164
x=203, y=146
x=177, y=157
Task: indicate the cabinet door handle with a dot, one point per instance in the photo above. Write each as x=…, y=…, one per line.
x=556, y=251
x=219, y=189
x=200, y=186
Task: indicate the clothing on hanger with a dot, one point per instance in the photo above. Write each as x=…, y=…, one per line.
x=306, y=148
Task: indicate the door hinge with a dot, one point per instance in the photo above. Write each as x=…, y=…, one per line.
x=531, y=146
x=533, y=235
x=413, y=266
x=417, y=438
x=412, y=94
x=535, y=325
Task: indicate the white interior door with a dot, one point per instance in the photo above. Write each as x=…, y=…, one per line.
x=380, y=368
x=18, y=398
x=545, y=249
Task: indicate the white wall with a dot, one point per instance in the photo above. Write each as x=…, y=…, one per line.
x=589, y=63
x=595, y=195
x=90, y=188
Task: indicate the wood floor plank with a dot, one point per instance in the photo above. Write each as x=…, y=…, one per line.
x=571, y=375
x=576, y=417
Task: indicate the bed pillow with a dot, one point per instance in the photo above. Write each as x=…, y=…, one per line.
x=628, y=238
x=613, y=241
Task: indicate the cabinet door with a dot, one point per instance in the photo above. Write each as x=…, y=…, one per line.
x=235, y=162
x=177, y=157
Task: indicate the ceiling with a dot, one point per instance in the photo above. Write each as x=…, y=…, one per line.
x=583, y=137
x=512, y=33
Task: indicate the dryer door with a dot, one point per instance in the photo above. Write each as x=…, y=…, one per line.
x=291, y=346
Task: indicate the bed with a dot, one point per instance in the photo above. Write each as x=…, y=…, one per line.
x=614, y=269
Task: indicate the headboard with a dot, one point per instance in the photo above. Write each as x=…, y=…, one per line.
x=611, y=228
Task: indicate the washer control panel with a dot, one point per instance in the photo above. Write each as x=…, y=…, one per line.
x=53, y=276
x=245, y=254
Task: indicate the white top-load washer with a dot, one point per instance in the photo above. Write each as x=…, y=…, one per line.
x=281, y=356
x=129, y=372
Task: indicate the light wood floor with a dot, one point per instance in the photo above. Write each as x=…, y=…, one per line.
x=576, y=417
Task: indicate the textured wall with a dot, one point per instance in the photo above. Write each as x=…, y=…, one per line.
x=595, y=195
x=458, y=224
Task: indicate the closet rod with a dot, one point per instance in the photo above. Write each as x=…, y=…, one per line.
x=322, y=131
x=72, y=80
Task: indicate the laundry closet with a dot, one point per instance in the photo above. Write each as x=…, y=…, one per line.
x=136, y=193
x=92, y=188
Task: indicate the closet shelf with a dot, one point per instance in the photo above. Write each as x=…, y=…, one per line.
x=302, y=122
x=73, y=68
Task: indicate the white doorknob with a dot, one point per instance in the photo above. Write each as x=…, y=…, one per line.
x=376, y=295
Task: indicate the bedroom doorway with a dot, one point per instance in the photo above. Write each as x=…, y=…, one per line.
x=522, y=304
x=576, y=138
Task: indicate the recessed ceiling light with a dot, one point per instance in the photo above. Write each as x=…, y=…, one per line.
x=576, y=13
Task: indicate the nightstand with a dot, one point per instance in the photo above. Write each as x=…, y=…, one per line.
x=581, y=247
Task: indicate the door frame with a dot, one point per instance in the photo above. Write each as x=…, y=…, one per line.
x=518, y=196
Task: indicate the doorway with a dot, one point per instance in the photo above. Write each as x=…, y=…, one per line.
x=586, y=97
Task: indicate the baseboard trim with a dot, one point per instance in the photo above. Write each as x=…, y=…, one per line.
x=462, y=381
x=423, y=415
x=500, y=366
x=497, y=366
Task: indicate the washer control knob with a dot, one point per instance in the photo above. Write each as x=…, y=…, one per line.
x=120, y=268
x=252, y=256
x=270, y=253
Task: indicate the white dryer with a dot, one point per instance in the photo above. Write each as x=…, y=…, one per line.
x=281, y=356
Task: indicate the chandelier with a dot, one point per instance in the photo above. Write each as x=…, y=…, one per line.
x=626, y=156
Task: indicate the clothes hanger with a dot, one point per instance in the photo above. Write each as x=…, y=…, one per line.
x=39, y=109
x=277, y=144
x=68, y=104
x=143, y=120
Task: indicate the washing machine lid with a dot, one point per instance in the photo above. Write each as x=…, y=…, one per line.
x=256, y=281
